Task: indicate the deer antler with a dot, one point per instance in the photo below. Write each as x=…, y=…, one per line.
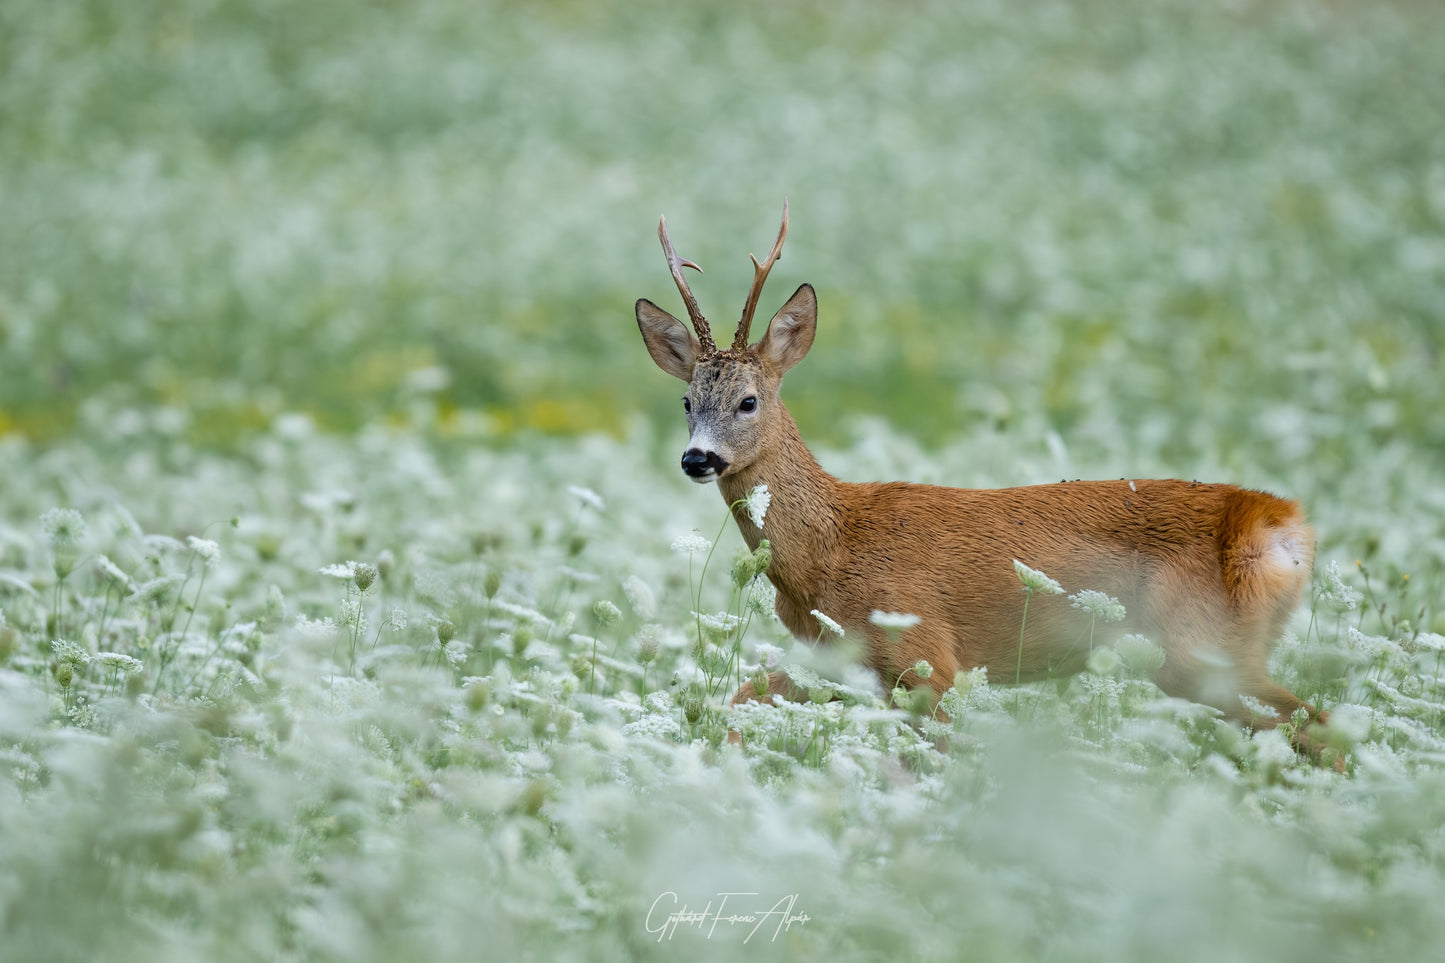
x=760, y=277
x=675, y=264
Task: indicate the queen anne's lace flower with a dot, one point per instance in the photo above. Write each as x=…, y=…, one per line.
x=1035, y=581
x=828, y=624
x=587, y=497
x=756, y=504
x=112, y=571
x=117, y=662
x=894, y=621
x=67, y=652
x=1336, y=591
x=208, y=550
x=690, y=544
x=1102, y=607
x=63, y=526
x=639, y=597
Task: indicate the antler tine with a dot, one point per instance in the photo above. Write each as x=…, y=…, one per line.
x=675, y=264
x=760, y=277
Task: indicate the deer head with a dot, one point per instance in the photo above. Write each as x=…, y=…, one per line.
x=732, y=403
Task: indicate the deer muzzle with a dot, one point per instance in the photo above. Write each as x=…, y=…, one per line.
x=702, y=466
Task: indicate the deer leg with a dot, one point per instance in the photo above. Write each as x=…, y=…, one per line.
x=1222, y=685
x=778, y=684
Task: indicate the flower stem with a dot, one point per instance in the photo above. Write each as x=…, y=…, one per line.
x=1019, y=666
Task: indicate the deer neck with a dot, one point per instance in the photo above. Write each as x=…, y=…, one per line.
x=802, y=524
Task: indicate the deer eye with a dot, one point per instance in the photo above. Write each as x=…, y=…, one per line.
x=687, y=406
x=749, y=404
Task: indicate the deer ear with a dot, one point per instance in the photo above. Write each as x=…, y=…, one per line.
x=790, y=333
x=672, y=346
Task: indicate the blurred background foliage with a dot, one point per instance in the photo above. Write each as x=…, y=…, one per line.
x=1181, y=226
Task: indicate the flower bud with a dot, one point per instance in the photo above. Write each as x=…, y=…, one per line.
x=606, y=612
x=647, y=644
x=742, y=570
x=762, y=557
x=364, y=574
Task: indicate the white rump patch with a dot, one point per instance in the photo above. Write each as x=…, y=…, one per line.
x=1287, y=550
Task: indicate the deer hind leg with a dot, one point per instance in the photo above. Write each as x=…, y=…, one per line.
x=1266, y=554
x=1204, y=672
x=1218, y=642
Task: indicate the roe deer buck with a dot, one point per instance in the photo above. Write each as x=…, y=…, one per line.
x=1211, y=573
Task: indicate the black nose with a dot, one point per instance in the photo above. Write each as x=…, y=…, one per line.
x=697, y=463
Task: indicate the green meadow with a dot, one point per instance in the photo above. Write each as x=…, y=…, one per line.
x=353, y=605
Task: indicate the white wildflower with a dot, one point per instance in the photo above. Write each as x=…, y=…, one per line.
x=587, y=497
x=922, y=669
x=1271, y=751
x=1257, y=709
x=352, y=614
x=362, y=573
x=578, y=576
x=307, y=627
x=893, y=622
x=828, y=624
x=395, y=620
x=208, y=550
x=112, y=571
x=719, y=622
x=156, y=590
x=762, y=597
x=690, y=544
x=1336, y=591
x=63, y=526
x=156, y=544
x=1369, y=647
x=1431, y=641
x=803, y=677
x=69, y=653
x=606, y=611
x=769, y=655
x=1035, y=581
x=756, y=504
x=1103, y=607
x=521, y=613
x=323, y=502
x=965, y=682
x=117, y=662
x=1350, y=723
x=1139, y=654
x=639, y=597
